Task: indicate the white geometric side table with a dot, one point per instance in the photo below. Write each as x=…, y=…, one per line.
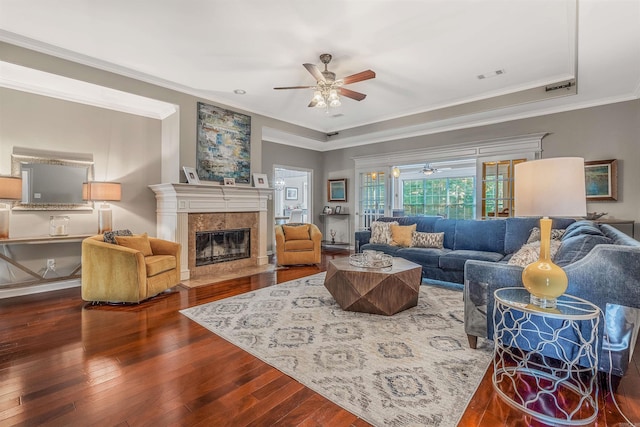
x=545, y=361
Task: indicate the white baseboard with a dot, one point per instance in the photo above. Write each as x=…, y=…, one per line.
x=45, y=287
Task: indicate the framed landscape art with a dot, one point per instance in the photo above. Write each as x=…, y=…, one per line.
x=223, y=149
x=601, y=180
x=337, y=190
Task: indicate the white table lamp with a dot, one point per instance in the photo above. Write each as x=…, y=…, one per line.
x=548, y=187
x=10, y=189
x=103, y=192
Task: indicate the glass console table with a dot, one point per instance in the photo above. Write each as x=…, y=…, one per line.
x=35, y=277
x=545, y=361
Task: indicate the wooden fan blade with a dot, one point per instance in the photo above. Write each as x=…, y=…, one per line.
x=352, y=94
x=293, y=87
x=315, y=72
x=363, y=75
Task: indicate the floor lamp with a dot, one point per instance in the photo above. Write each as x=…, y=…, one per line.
x=548, y=187
x=102, y=192
x=10, y=189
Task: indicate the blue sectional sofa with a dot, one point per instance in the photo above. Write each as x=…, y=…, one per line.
x=464, y=240
x=601, y=262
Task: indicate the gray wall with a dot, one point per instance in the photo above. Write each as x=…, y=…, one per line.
x=598, y=133
x=285, y=155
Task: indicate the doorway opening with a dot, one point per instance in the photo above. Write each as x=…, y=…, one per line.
x=292, y=198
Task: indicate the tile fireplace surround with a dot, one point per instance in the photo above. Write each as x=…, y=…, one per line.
x=183, y=209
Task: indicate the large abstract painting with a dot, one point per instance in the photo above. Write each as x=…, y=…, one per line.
x=224, y=145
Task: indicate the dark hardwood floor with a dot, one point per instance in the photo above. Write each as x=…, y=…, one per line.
x=66, y=363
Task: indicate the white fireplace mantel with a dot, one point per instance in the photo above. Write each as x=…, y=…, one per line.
x=176, y=201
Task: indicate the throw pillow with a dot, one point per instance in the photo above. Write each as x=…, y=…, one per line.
x=530, y=252
x=401, y=234
x=297, y=232
x=381, y=232
x=556, y=234
x=427, y=240
x=110, y=236
x=139, y=242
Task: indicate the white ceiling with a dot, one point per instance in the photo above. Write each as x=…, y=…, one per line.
x=427, y=55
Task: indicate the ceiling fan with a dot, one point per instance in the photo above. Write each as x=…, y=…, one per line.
x=327, y=88
x=428, y=169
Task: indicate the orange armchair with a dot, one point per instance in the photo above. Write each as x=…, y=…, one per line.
x=137, y=268
x=298, y=244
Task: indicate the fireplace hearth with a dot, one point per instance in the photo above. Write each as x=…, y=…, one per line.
x=218, y=246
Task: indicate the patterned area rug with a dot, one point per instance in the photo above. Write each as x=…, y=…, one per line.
x=413, y=368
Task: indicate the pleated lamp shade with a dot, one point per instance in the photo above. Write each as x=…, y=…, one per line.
x=10, y=188
x=102, y=191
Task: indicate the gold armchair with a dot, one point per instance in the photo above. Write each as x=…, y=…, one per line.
x=136, y=268
x=298, y=244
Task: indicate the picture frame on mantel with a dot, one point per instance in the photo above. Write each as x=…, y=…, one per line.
x=191, y=174
x=260, y=180
x=337, y=190
x=601, y=180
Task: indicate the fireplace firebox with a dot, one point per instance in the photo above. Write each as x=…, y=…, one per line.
x=217, y=246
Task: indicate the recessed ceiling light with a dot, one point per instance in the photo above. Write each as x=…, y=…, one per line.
x=491, y=74
x=239, y=91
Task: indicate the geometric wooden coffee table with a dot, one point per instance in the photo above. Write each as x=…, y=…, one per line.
x=384, y=291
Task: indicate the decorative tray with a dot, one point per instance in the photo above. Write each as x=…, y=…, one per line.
x=368, y=260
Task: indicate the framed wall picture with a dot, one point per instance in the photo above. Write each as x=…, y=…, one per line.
x=223, y=147
x=337, y=190
x=260, y=180
x=291, y=193
x=192, y=176
x=601, y=180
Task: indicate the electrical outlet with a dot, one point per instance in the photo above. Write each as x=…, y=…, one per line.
x=51, y=264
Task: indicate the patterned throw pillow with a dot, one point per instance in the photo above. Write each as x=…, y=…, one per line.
x=401, y=234
x=110, y=236
x=530, y=252
x=381, y=232
x=556, y=234
x=427, y=240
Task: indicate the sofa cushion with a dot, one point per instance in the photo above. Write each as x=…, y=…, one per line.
x=448, y=227
x=381, y=232
x=582, y=227
x=156, y=264
x=138, y=242
x=429, y=257
x=531, y=253
x=296, y=232
x=110, y=236
x=486, y=236
x=427, y=240
x=401, y=234
x=577, y=247
x=455, y=260
x=298, y=245
x=426, y=224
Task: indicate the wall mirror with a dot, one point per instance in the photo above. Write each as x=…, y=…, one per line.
x=51, y=180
